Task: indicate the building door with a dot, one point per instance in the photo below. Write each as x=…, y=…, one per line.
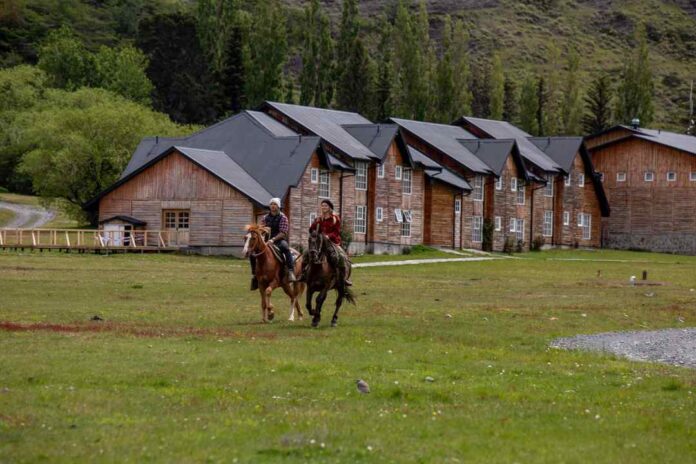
x=176, y=223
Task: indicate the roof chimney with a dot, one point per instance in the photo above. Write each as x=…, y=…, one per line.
x=635, y=123
x=156, y=139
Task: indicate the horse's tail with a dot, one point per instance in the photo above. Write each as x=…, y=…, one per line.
x=349, y=295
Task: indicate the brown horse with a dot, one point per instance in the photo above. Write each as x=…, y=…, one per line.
x=270, y=273
x=323, y=276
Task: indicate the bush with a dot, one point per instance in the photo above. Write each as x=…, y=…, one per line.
x=509, y=245
x=346, y=235
x=537, y=243
x=406, y=251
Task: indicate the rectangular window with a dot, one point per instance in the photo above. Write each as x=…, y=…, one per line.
x=324, y=183
x=671, y=176
x=477, y=229
x=519, y=230
x=513, y=184
x=692, y=176
x=520, y=193
x=398, y=216
x=457, y=206
x=566, y=218
x=361, y=175
x=621, y=177
x=581, y=180
x=379, y=214
x=513, y=225
x=649, y=176
x=406, y=225
x=380, y=171
x=397, y=172
x=478, y=188
x=499, y=183
x=548, y=188
x=568, y=180
x=406, y=181
x=360, y=219
x=176, y=219
x=312, y=218
x=548, y=224
x=314, y=175
x=585, y=222
x=498, y=223
x=170, y=220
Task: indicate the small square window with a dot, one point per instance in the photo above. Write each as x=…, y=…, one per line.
x=398, y=215
x=566, y=218
x=314, y=175
x=671, y=176
x=379, y=214
x=513, y=223
x=621, y=177
x=380, y=171
x=498, y=223
x=567, y=180
x=407, y=215
x=649, y=176
x=457, y=206
x=397, y=173
x=513, y=184
x=581, y=180
x=499, y=183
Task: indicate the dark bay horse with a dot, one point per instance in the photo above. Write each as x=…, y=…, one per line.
x=270, y=273
x=323, y=276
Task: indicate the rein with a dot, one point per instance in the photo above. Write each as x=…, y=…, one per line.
x=263, y=242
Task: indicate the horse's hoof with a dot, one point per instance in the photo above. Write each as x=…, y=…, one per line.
x=315, y=324
x=291, y=319
x=334, y=323
x=271, y=317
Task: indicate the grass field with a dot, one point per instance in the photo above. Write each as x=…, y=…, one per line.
x=5, y=216
x=180, y=370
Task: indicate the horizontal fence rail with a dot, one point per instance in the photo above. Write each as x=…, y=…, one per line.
x=89, y=239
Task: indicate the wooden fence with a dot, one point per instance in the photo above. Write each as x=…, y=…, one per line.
x=88, y=239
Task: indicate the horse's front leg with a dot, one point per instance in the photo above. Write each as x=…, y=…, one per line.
x=262, y=292
x=308, y=305
x=269, y=306
x=317, y=310
x=289, y=290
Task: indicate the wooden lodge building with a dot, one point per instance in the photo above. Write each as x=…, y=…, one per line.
x=650, y=180
x=396, y=184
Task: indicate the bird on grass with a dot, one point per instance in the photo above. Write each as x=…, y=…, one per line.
x=363, y=387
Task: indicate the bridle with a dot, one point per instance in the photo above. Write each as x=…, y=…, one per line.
x=316, y=252
x=258, y=239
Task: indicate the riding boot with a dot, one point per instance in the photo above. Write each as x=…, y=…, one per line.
x=291, y=275
x=346, y=280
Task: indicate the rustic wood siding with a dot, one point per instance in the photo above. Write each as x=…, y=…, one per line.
x=218, y=211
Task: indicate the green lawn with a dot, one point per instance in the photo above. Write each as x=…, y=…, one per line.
x=5, y=216
x=181, y=370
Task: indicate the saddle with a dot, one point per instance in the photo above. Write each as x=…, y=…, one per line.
x=279, y=256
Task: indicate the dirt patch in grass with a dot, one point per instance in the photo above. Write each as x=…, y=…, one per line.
x=137, y=331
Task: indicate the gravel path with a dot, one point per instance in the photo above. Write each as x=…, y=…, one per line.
x=411, y=262
x=670, y=346
x=27, y=217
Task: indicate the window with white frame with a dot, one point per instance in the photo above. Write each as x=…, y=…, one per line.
x=520, y=193
x=314, y=175
x=324, y=183
x=397, y=173
x=692, y=176
x=498, y=223
x=380, y=171
x=649, y=176
x=379, y=214
x=581, y=180
x=499, y=183
x=406, y=181
x=477, y=193
x=361, y=175
x=568, y=180
x=406, y=225
x=566, y=218
x=517, y=226
x=585, y=223
x=312, y=218
x=513, y=184
x=476, y=229
x=398, y=216
x=547, y=230
x=360, y=219
x=671, y=176
x=548, y=188
x=513, y=225
x=621, y=176
x=457, y=206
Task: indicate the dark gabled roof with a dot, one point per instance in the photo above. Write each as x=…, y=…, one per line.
x=240, y=151
x=445, y=138
x=124, y=218
x=335, y=163
x=683, y=142
x=376, y=137
x=505, y=130
x=273, y=126
x=327, y=124
x=434, y=170
x=148, y=148
x=492, y=152
x=560, y=149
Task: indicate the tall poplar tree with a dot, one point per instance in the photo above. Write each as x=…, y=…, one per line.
x=636, y=88
x=598, y=106
x=496, y=88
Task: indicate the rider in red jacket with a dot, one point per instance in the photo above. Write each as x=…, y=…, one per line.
x=329, y=224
